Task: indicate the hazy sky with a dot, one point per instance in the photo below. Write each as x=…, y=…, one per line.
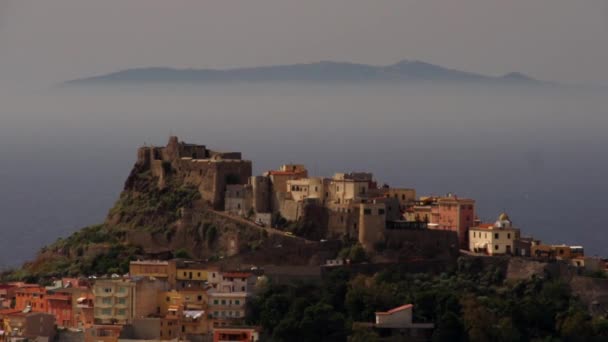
x=53, y=40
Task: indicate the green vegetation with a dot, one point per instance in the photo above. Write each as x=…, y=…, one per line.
x=355, y=253
x=182, y=254
x=157, y=208
x=470, y=303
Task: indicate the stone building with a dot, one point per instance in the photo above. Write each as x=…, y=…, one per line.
x=210, y=171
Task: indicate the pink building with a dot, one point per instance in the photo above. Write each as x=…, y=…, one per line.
x=448, y=213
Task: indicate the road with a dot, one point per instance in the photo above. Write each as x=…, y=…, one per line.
x=252, y=224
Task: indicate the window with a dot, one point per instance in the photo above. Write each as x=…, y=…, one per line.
x=122, y=312
x=199, y=298
x=215, y=301
x=508, y=235
x=106, y=300
x=367, y=211
x=107, y=290
x=496, y=247
x=237, y=302
x=122, y=289
x=403, y=197
x=185, y=274
x=496, y=236
x=380, y=211
x=223, y=302
x=106, y=312
x=242, y=289
x=473, y=234
x=122, y=301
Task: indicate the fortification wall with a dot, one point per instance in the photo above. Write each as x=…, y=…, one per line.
x=425, y=243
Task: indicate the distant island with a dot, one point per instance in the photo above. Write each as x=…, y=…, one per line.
x=326, y=71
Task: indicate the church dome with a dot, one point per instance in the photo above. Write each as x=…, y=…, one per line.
x=503, y=217
x=503, y=221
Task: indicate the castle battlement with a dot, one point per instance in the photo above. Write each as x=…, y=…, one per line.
x=210, y=171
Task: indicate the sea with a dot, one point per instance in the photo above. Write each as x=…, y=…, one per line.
x=537, y=152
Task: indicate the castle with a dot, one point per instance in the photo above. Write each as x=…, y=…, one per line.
x=348, y=205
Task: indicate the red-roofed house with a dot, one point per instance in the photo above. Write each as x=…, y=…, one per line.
x=236, y=334
x=398, y=322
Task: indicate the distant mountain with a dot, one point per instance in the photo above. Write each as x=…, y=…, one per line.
x=404, y=71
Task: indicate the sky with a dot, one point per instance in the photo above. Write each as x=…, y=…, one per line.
x=51, y=41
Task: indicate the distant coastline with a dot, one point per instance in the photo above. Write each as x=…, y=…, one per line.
x=326, y=71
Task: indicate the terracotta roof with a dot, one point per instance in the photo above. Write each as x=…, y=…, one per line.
x=397, y=309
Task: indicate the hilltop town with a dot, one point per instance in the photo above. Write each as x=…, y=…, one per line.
x=196, y=244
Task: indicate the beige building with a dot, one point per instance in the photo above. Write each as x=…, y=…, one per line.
x=308, y=188
x=118, y=301
x=114, y=301
x=344, y=188
x=495, y=239
x=406, y=197
x=227, y=308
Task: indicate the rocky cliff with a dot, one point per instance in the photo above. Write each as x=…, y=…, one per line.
x=153, y=219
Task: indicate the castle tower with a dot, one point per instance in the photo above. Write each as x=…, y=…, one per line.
x=172, y=149
x=372, y=224
x=144, y=156
x=261, y=193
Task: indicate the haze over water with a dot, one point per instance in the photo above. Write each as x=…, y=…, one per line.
x=538, y=153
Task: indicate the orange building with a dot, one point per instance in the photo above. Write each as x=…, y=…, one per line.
x=31, y=296
x=60, y=306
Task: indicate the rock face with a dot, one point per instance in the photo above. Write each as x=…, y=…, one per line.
x=521, y=269
x=167, y=205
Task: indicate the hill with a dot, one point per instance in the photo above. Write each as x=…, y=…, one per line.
x=404, y=71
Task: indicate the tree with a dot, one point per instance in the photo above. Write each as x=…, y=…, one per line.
x=322, y=323
x=182, y=254
x=364, y=335
x=449, y=328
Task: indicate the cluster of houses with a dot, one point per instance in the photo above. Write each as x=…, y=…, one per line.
x=362, y=210
x=354, y=205
x=157, y=300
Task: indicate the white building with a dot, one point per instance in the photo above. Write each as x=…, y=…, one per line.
x=494, y=239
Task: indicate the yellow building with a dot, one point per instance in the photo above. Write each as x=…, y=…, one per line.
x=169, y=300
x=494, y=239
x=192, y=275
x=149, y=268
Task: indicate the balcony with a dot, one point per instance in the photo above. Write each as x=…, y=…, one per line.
x=101, y=304
x=101, y=293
